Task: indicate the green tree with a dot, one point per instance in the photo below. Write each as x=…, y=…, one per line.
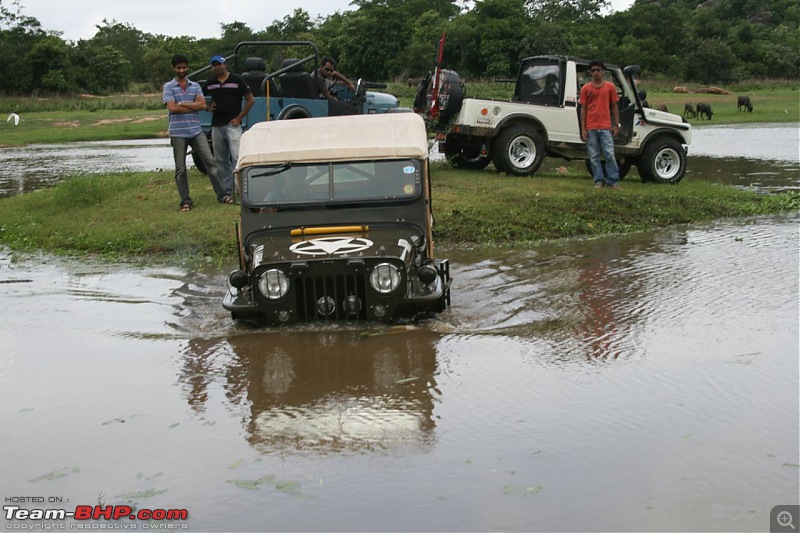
x=419, y=56
x=18, y=35
x=158, y=56
x=567, y=11
x=126, y=39
x=710, y=61
x=372, y=40
x=232, y=34
x=50, y=65
x=100, y=69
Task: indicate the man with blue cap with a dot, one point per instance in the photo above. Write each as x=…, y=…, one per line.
x=227, y=90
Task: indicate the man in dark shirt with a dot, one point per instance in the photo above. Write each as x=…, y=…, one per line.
x=226, y=90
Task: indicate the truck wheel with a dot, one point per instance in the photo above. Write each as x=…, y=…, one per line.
x=624, y=168
x=663, y=161
x=518, y=151
x=468, y=159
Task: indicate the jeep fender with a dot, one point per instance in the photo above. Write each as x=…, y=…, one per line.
x=522, y=119
x=294, y=111
x=661, y=132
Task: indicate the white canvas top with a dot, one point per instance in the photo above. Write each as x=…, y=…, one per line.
x=347, y=138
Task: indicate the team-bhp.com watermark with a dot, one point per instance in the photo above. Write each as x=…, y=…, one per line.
x=95, y=517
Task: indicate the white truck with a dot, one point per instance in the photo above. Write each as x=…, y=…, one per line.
x=543, y=118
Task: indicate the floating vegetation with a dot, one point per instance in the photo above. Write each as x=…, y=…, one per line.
x=289, y=487
x=149, y=493
x=56, y=474
x=523, y=491
x=406, y=380
x=292, y=487
x=237, y=464
x=250, y=484
x=173, y=426
x=117, y=420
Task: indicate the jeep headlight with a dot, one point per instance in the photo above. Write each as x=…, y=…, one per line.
x=385, y=278
x=273, y=284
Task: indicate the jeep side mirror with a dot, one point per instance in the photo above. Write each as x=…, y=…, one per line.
x=632, y=70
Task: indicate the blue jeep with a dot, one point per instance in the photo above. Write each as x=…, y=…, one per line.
x=291, y=90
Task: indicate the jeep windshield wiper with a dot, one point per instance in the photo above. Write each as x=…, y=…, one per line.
x=270, y=172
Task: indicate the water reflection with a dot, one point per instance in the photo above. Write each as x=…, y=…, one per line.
x=323, y=391
x=37, y=166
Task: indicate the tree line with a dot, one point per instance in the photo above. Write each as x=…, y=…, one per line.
x=704, y=41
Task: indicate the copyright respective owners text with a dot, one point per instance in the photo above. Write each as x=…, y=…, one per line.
x=52, y=513
x=784, y=518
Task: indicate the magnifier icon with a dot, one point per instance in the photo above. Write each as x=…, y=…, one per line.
x=785, y=519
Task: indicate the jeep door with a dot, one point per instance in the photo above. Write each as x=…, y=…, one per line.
x=544, y=82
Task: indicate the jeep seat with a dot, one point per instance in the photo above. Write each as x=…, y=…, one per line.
x=297, y=83
x=253, y=72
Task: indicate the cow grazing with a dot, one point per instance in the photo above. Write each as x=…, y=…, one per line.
x=663, y=107
x=704, y=109
x=743, y=102
x=689, y=111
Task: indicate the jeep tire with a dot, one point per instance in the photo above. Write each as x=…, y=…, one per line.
x=518, y=150
x=468, y=159
x=663, y=161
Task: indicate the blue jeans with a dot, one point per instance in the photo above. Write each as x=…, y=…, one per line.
x=599, y=146
x=200, y=147
x=226, y=140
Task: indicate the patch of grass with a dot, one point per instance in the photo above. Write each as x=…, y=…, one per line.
x=128, y=213
x=71, y=126
x=490, y=208
x=137, y=213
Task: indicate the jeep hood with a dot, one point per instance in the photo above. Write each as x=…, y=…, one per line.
x=662, y=118
x=281, y=246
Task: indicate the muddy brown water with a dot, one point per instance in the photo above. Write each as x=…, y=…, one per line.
x=639, y=383
x=631, y=383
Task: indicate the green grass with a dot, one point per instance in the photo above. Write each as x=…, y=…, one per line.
x=137, y=213
x=122, y=214
x=82, y=125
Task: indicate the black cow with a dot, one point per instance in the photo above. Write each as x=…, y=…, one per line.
x=688, y=110
x=743, y=102
x=704, y=109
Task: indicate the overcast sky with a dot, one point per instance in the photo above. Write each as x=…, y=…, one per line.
x=76, y=19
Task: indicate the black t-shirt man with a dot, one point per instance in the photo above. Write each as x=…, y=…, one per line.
x=227, y=97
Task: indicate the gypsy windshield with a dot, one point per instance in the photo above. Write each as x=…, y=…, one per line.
x=303, y=183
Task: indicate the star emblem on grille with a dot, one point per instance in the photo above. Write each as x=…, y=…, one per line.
x=331, y=246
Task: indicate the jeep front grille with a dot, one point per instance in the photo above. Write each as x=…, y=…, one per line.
x=341, y=297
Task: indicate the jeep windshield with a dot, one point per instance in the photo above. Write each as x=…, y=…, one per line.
x=331, y=183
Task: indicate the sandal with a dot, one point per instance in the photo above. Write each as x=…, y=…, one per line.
x=185, y=208
x=228, y=200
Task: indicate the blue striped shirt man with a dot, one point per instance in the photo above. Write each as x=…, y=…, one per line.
x=186, y=125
